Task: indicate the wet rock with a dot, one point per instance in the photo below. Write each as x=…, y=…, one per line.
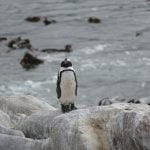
x=138, y=34
x=33, y=19
x=135, y=101
x=105, y=101
x=25, y=43
x=29, y=61
x=13, y=43
x=19, y=43
x=3, y=39
x=94, y=20
x=48, y=22
x=68, y=49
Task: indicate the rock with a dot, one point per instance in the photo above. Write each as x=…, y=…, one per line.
x=119, y=126
x=94, y=20
x=19, y=43
x=8, y=131
x=47, y=22
x=33, y=19
x=38, y=125
x=25, y=43
x=23, y=104
x=5, y=119
x=135, y=101
x=10, y=108
x=138, y=34
x=15, y=108
x=105, y=101
x=68, y=49
x=8, y=142
x=13, y=43
x=29, y=61
x=3, y=39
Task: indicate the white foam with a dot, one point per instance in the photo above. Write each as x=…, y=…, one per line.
x=86, y=64
x=127, y=52
x=146, y=61
x=97, y=48
x=118, y=63
x=143, y=84
x=54, y=79
x=94, y=9
x=145, y=100
x=52, y=57
x=33, y=84
x=27, y=86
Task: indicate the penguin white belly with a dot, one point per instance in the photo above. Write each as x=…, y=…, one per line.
x=68, y=86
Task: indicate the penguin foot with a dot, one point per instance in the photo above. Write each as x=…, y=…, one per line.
x=67, y=108
x=73, y=107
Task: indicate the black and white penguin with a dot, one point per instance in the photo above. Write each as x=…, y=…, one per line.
x=66, y=86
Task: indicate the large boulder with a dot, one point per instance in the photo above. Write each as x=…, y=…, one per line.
x=38, y=125
x=115, y=127
x=23, y=104
x=15, y=108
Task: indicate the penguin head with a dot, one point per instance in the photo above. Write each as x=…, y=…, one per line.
x=66, y=63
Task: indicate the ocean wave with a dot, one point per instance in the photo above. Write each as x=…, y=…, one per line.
x=118, y=63
x=95, y=49
x=86, y=64
x=146, y=61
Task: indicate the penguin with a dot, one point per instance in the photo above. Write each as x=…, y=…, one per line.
x=66, y=87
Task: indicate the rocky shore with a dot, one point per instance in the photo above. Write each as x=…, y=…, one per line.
x=27, y=123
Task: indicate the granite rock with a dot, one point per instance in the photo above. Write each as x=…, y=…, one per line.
x=119, y=126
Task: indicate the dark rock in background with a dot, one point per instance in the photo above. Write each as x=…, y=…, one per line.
x=68, y=49
x=94, y=20
x=33, y=19
x=3, y=39
x=19, y=43
x=29, y=61
x=46, y=21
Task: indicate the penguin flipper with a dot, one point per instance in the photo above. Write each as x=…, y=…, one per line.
x=58, y=89
x=76, y=83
